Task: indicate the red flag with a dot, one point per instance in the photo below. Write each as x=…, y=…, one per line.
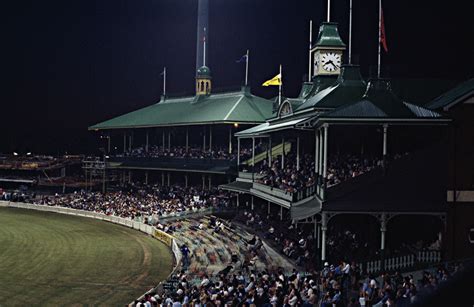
x=383, y=39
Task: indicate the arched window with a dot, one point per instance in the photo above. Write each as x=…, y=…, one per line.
x=207, y=87
x=202, y=86
x=285, y=109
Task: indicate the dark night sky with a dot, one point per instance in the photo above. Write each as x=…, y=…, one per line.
x=69, y=64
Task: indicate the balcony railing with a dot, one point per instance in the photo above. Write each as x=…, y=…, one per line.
x=401, y=263
x=250, y=176
x=172, y=162
x=289, y=196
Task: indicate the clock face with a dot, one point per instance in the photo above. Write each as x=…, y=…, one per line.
x=331, y=61
x=316, y=62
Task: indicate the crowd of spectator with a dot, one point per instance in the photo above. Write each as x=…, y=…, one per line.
x=290, y=178
x=148, y=202
x=197, y=152
x=343, y=167
x=193, y=152
x=296, y=243
x=334, y=285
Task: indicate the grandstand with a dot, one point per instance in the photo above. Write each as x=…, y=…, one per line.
x=318, y=199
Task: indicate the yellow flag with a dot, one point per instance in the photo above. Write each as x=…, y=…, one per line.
x=273, y=81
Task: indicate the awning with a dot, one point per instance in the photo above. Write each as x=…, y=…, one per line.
x=270, y=127
x=237, y=186
x=305, y=209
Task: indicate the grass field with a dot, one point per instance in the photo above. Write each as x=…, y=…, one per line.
x=53, y=259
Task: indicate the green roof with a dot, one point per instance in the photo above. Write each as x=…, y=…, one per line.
x=348, y=88
x=464, y=89
x=203, y=72
x=380, y=102
x=328, y=36
x=320, y=83
x=233, y=107
x=421, y=91
x=277, y=125
x=306, y=88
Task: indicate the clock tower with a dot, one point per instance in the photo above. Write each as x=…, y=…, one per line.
x=328, y=51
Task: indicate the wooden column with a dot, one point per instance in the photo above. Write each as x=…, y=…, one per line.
x=384, y=149
x=324, y=228
x=169, y=140
x=270, y=151
x=124, y=142
x=146, y=141
x=283, y=153
x=204, y=140
x=230, y=139
x=187, y=138
x=210, y=138
x=298, y=153
x=238, y=152
x=164, y=139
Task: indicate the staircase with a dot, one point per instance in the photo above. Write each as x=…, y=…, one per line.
x=276, y=151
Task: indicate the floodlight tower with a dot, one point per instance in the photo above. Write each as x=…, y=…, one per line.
x=202, y=31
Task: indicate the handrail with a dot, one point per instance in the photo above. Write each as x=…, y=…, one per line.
x=247, y=175
x=276, y=151
x=290, y=196
x=402, y=262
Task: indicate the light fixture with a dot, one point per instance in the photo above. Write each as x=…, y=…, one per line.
x=15, y=153
x=236, y=125
x=28, y=153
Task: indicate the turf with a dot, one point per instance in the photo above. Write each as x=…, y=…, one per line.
x=54, y=259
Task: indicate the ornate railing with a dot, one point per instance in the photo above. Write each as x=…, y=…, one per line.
x=402, y=263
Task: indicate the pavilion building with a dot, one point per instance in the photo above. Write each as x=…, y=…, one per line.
x=458, y=104
x=341, y=120
x=346, y=151
x=205, y=122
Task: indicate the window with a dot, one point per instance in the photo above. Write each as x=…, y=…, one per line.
x=207, y=87
x=471, y=235
x=202, y=86
x=285, y=109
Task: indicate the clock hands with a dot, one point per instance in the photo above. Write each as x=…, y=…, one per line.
x=330, y=61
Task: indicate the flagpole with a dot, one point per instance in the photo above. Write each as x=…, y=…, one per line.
x=350, y=32
x=247, y=68
x=329, y=10
x=164, y=81
x=279, y=88
x=310, y=43
x=380, y=33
